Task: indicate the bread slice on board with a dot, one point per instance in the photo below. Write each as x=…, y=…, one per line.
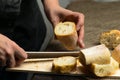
x=99, y=54
x=64, y=64
x=102, y=70
x=66, y=33
x=116, y=53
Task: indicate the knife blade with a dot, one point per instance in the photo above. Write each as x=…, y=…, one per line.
x=52, y=54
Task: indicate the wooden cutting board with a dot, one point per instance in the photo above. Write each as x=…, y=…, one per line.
x=45, y=66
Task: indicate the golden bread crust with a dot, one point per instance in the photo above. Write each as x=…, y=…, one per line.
x=110, y=38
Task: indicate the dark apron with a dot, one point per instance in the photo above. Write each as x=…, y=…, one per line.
x=9, y=8
x=24, y=24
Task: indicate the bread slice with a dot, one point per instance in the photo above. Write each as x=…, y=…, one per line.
x=116, y=53
x=67, y=34
x=99, y=54
x=110, y=38
x=64, y=64
x=102, y=70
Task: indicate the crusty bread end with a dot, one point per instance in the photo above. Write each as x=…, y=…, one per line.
x=67, y=34
x=110, y=38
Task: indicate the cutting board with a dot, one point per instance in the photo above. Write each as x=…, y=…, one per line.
x=44, y=65
x=41, y=63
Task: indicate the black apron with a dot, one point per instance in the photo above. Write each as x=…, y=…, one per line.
x=22, y=22
x=9, y=8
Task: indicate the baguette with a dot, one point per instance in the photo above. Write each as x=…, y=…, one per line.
x=64, y=64
x=110, y=38
x=66, y=33
x=116, y=53
x=99, y=54
x=102, y=70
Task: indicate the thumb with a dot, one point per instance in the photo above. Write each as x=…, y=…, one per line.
x=55, y=23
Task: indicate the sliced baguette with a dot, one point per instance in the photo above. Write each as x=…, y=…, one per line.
x=67, y=34
x=116, y=53
x=64, y=64
x=99, y=54
x=102, y=70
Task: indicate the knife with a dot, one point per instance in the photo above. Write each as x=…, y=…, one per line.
x=52, y=54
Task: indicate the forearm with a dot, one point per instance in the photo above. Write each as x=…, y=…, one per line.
x=50, y=4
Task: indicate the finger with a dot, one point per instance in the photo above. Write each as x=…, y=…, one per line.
x=2, y=57
x=80, y=29
x=81, y=37
x=55, y=23
x=80, y=21
x=19, y=52
x=10, y=56
x=11, y=59
x=19, y=62
x=2, y=61
x=19, y=58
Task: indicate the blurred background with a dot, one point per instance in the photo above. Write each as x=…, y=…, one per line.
x=100, y=16
x=64, y=3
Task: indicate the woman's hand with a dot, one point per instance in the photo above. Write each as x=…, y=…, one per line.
x=57, y=14
x=11, y=54
x=61, y=15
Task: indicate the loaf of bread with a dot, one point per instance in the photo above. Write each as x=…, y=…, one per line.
x=110, y=38
x=66, y=33
x=99, y=54
x=116, y=53
x=102, y=70
x=64, y=64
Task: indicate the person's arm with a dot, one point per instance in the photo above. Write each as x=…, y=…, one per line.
x=50, y=7
x=56, y=14
x=50, y=3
